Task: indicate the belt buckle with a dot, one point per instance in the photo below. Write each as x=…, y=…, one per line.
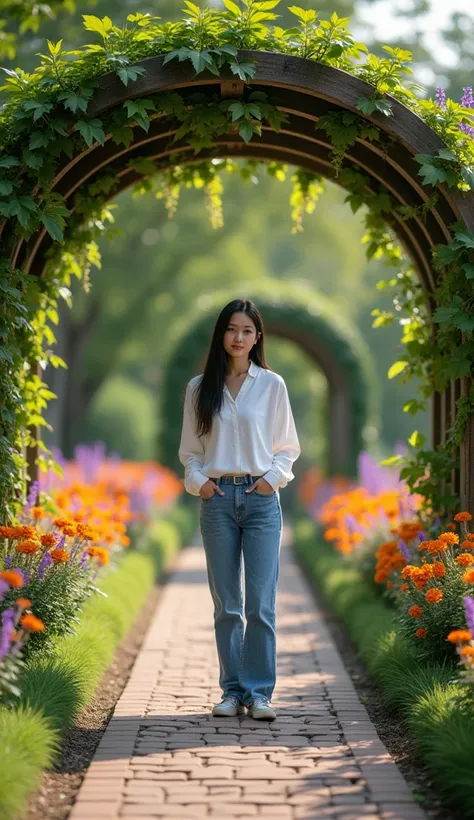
x=234, y=477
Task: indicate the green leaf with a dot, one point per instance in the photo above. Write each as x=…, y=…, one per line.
x=39, y=108
x=22, y=208
x=417, y=439
x=102, y=27
x=38, y=139
x=91, y=130
x=246, y=131
x=130, y=73
x=468, y=269
x=432, y=174
x=9, y=162
x=466, y=239
x=34, y=161
x=74, y=101
x=444, y=153
x=387, y=462
x=245, y=69
x=238, y=111
x=396, y=368
x=53, y=227
x=6, y=187
x=233, y=8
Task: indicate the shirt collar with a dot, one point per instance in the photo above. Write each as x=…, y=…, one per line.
x=253, y=369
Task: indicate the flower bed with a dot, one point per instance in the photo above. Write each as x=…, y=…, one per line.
x=403, y=583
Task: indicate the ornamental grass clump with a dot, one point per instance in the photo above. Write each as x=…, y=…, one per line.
x=59, y=556
x=463, y=639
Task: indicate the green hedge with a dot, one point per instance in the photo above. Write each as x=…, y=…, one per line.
x=54, y=690
x=425, y=694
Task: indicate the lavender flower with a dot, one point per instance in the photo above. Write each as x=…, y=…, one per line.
x=26, y=576
x=469, y=610
x=441, y=97
x=467, y=100
x=404, y=550
x=8, y=561
x=84, y=562
x=4, y=587
x=8, y=617
x=45, y=562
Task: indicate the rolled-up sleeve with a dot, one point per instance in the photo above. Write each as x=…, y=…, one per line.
x=191, y=449
x=286, y=446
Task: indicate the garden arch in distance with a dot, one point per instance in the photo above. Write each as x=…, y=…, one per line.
x=311, y=322
x=305, y=90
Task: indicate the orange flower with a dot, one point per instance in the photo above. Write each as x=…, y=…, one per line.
x=467, y=545
x=31, y=623
x=438, y=568
x=85, y=531
x=434, y=595
x=468, y=576
x=408, y=530
x=464, y=559
x=415, y=611
x=24, y=603
x=451, y=526
x=458, y=635
x=125, y=540
x=7, y=532
x=48, y=540
x=433, y=547
x=12, y=577
x=70, y=529
x=59, y=556
x=421, y=633
x=449, y=538
x=37, y=512
x=403, y=587
x=28, y=547
x=470, y=536
x=25, y=532
x=100, y=553
x=467, y=650
x=463, y=516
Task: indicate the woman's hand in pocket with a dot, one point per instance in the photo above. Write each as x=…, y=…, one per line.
x=262, y=485
x=209, y=488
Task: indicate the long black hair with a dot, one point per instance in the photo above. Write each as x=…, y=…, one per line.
x=209, y=394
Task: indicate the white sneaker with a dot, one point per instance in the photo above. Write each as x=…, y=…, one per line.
x=228, y=707
x=260, y=709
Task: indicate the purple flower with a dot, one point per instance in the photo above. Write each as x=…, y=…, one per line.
x=441, y=97
x=4, y=587
x=45, y=562
x=403, y=549
x=84, y=562
x=469, y=610
x=8, y=617
x=61, y=542
x=26, y=576
x=8, y=561
x=32, y=496
x=467, y=100
x=421, y=536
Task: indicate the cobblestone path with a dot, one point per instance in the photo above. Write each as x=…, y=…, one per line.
x=164, y=756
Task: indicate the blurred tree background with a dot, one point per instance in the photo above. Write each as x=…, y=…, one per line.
x=117, y=338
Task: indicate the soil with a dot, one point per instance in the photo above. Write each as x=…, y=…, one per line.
x=60, y=785
x=388, y=725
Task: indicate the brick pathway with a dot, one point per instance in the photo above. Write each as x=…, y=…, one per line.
x=164, y=756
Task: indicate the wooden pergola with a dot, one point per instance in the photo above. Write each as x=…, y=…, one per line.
x=305, y=90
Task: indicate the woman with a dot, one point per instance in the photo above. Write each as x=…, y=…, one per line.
x=238, y=445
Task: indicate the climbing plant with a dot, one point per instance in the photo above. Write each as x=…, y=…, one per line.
x=50, y=113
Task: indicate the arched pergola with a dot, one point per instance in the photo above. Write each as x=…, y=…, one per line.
x=311, y=322
x=305, y=90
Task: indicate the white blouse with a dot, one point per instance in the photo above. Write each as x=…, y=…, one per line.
x=254, y=434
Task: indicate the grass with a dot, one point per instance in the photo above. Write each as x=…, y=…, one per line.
x=55, y=688
x=425, y=694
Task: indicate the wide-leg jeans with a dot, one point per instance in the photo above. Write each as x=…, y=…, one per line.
x=248, y=525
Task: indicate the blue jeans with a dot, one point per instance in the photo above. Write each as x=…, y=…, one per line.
x=231, y=525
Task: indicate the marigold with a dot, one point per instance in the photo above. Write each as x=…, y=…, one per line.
x=28, y=547
x=31, y=623
x=463, y=516
x=59, y=556
x=408, y=530
x=438, y=569
x=24, y=603
x=450, y=538
x=464, y=559
x=48, y=540
x=437, y=546
x=467, y=545
x=125, y=540
x=415, y=611
x=458, y=635
x=37, y=512
x=434, y=595
x=403, y=587
x=451, y=526
x=421, y=633
x=24, y=532
x=470, y=536
x=468, y=576
x=467, y=650
x=12, y=577
x=100, y=553
x=7, y=532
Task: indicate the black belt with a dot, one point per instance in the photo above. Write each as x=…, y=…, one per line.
x=236, y=479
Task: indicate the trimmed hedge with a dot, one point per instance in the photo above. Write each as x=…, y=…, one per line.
x=425, y=694
x=55, y=689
